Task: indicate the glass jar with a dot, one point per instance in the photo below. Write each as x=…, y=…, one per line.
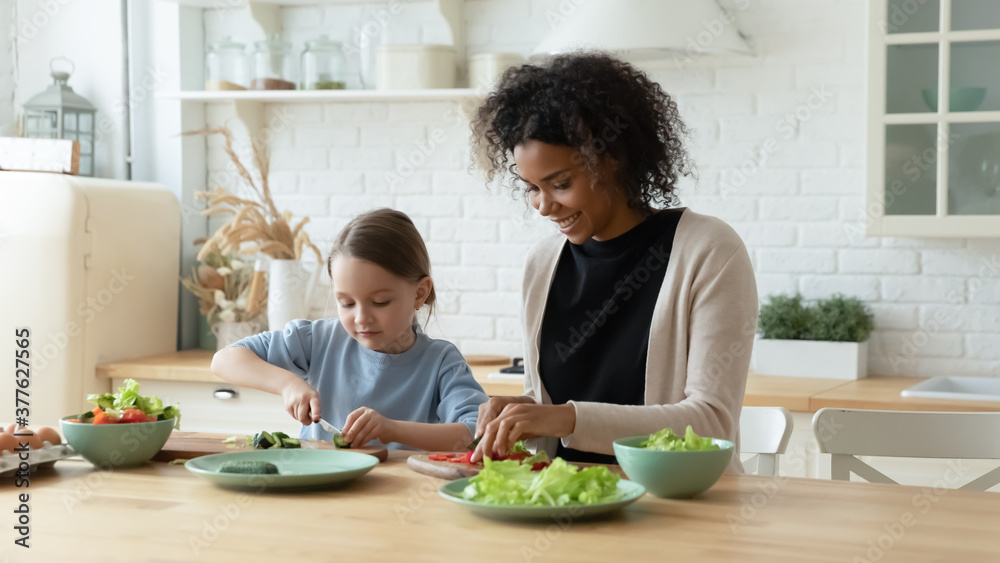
x=324, y=65
x=273, y=65
x=226, y=66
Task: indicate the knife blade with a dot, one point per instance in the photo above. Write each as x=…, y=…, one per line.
x=472, y=446
x=329, y=427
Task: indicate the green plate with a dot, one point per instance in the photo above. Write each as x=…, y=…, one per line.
x=630, y=493
x=299, y=468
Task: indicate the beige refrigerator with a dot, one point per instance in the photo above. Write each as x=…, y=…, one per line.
x=90, y=275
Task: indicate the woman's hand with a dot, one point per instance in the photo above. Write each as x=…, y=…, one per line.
x=520, y=421
x=492, y=408
x=365, y=424
x=301, y=401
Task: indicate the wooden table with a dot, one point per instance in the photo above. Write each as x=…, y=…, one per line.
x=163, y=513
x=799, y=394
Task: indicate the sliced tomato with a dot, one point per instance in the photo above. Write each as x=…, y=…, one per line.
x=135, y=415
x=539, y=466
x=438, y=457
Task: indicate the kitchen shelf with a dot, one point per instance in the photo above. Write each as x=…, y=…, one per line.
x=248, y=105
x=324, y=96
x=216, y=4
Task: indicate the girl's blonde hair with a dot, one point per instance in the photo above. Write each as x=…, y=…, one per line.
x=389, y=239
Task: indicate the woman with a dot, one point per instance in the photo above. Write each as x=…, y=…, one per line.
x=637, y=316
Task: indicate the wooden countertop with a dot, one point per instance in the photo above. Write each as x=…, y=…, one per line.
x=794, y=393
x=163, y=512
x=195, y=365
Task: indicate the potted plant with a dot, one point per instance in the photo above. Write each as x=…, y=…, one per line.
x=828, y=339
x=222, y=284
x=257, y=227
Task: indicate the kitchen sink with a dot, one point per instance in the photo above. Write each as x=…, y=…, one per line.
x=963, y=388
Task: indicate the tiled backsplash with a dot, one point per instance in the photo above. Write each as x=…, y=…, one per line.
x=779, y=140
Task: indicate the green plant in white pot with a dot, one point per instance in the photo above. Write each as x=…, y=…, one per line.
x=828, y=339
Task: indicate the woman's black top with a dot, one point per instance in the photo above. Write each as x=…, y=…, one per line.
x=595, y=330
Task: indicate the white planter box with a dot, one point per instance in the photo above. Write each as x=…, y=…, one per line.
x=810, y=358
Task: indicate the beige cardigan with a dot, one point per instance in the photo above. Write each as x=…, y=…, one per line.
x=700, y=341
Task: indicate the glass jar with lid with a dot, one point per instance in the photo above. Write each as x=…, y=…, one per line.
x=273, y=65
x=324, y=65
x=226, y=66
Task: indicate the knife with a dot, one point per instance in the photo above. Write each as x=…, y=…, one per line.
x=472, y=446
x=329, y=427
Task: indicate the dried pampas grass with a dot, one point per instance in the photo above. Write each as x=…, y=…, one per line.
x=256, y=226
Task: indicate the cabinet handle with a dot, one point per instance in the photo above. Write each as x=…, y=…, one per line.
x=226, y=394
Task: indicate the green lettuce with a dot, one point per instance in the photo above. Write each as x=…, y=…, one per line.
x=510, y=482
x=128, y=396
x=665, y=440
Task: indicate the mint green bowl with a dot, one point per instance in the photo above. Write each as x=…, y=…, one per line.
x=116, y=446
x=672, y=474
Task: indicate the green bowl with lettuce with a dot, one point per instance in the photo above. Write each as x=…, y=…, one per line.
x=113, y=438
x=671, y=466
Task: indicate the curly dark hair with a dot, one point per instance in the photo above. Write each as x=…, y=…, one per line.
x=596, y=104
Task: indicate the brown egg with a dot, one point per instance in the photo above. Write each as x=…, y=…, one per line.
x=28, y=435
x=7, y=442
x=48, y=434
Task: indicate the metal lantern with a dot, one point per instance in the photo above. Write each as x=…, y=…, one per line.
x=61, y=113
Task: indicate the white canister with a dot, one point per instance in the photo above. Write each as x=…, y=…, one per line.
x=485, y=69
x=415, y=66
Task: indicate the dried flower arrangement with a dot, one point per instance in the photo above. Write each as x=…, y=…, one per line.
x=222, y=286
x=255, y=222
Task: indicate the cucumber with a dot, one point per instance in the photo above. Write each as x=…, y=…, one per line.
x=249, y=467
x=338, y=440
x=263, y=440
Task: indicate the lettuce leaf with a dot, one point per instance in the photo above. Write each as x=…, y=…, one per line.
x=513, y=483
x=665, y=440
x=128, y=396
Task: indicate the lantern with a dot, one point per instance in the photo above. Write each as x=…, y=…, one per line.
x=61, y=113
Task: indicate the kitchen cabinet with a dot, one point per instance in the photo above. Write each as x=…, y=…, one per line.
x=933, y=119
x=221, y=407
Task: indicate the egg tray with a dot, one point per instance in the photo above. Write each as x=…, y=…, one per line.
x=45, y=457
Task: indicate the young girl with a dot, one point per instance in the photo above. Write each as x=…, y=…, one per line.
x=372, y=371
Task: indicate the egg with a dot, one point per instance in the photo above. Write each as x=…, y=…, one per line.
x=48, y=434
x=7, y=442
x=27, y=435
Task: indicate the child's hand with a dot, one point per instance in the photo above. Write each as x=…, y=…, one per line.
x=301, y=401
x=365, y=424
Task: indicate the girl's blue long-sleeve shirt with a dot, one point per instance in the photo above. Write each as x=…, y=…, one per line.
x=430, y=382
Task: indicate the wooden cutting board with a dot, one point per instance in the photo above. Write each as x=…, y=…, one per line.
x=189, y=445
x=421, y=463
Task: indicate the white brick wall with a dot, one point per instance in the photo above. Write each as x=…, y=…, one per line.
x=937, y=302
x=6, y=70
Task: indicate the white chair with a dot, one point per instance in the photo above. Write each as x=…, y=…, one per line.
x=846, y=433
x=764, y=431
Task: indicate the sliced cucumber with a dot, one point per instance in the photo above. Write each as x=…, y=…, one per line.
x=338, y=440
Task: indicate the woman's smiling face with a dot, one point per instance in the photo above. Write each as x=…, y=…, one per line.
x=563, y=190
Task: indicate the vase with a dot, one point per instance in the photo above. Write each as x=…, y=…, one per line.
x=289, y=291
x=229, y=333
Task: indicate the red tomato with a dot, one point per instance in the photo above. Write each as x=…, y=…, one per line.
x=539, y=466
x=135, y=415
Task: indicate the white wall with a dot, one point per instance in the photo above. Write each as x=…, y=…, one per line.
x=937, y=302
x=6, y=70
x=89, y=33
